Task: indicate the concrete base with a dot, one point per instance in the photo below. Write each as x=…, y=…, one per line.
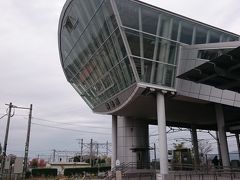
x=132, y=141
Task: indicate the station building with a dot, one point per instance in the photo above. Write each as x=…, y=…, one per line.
x=145, y=65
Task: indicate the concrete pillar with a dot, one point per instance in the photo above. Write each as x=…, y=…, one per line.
x=114, y=141
x=218, y=144
x=238, y=144
x=132, y=141
x=222, y=135
x=195, y=146
x=162, y=134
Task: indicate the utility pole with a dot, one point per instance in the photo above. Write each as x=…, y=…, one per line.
x=81, y=150
x=97, y=155
x=25, y=163
x=155, y=156
x=97, y=149
x=91, y=147
x=6, y=138
x=80, y=142
x=107, y=148
x=54, y=155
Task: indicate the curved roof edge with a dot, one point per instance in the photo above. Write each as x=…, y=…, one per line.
x=67, y=3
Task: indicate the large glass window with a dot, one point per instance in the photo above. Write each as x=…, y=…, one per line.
x=201, y=36
x=149, y=20
x=165, y=27
x=214, y=37
x=186, y=33
x=157, y=72
x=148, y=46
x=129, y=13
x=118, y=45
x=175, y=27
x=109, y=16
x=133, y=38
x=233, y=38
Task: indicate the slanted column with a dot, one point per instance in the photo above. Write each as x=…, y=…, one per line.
x=114, y=141
x=222, y=135
x=162, y=134
x=195, y=145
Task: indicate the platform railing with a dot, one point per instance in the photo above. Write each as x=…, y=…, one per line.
x=176, y=171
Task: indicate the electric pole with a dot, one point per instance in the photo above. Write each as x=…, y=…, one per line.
x=107, y=148
x=54, y=155
x=155, y=156
x=25, y=163
x=97, y=149
x=6, y=138
x=81, y=150
x=91, y=147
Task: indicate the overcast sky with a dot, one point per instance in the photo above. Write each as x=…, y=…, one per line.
x=30, y=72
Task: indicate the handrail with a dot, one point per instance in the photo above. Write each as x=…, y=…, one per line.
x=177, y=169
x=126, y=166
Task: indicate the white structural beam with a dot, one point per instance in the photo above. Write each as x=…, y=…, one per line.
x=222, y=135
x=114, y=141
x=162, y=134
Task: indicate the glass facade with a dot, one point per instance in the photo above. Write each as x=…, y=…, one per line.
x=94, y=58
x=106, y=46
x=155, y=35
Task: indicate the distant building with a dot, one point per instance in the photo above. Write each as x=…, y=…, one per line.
x=145, y=65
x=60, y=166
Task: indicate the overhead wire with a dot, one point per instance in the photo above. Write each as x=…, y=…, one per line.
x=66, y=123
x=3, y=116
x=68, y=129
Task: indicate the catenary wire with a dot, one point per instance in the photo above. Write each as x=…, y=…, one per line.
x=75, y=130
x=65, y=123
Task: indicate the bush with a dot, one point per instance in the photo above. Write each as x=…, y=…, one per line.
x=28, y=174
x=105, y=169
x=44, y=172
x=80, y=171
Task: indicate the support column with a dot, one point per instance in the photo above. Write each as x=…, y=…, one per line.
x=238, y=144
x=222, y=135
x=162, y=134
x=195, y=146
x=133, y=141
x=218, y=144
x=114, y=141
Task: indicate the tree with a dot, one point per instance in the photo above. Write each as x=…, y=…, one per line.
x=77, y=159
x=42, y=163
x=204, y=147
x=34, y=163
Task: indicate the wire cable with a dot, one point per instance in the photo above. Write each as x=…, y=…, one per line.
x=65, y=123
x=3, y=116
x=75, y=130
